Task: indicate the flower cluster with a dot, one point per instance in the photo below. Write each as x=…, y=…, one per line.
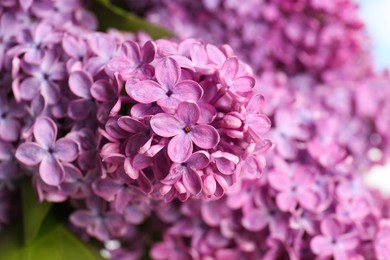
x=192, y=126
x=116, y=125
x=300, y=36
x=30, y=32
x=165, y=140
x=308, y=47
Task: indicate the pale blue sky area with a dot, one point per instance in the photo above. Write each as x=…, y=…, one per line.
x=376, y=14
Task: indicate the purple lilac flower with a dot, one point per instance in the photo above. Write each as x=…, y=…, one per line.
x=47, y=152
x=118, y=174
x=175, y=115
x=98, y=223
x=333, y=241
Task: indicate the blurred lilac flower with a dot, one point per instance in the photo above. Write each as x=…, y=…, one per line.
x=333, y=241
x=133, y=61
x=98, y=222
x=42, y=79
x=47, y=152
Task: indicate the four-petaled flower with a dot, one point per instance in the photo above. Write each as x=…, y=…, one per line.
x=185, y=131
x=47, y=151
x=169, y=90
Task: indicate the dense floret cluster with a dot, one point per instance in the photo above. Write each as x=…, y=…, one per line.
x=162, y=145
x=291, y=36
x=99, y=116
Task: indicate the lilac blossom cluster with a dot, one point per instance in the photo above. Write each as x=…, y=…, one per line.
x=311, y=47
x=311, y=200
x=188, y=127
x=29, y=32
x=160, y=144
x=291, y=36
x=192, y=126
x=115, y=125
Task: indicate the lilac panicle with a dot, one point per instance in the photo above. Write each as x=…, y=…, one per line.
x=177, y=115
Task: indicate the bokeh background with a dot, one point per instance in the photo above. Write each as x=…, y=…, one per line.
x=376, y=15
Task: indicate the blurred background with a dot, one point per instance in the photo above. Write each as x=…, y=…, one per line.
x=377, y=16
x=376, y=13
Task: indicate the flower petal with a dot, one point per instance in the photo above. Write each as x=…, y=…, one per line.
x=192, y=182
x=167, y=73
x=166, y=125
x=205, y=136
x=29, y=88
x=82, y=218
x=286, y=201
x=30, y=153
x=258, y=125
x=244, y=84
x=106, y=188
x=50, y=92
x=79, y=109
x=187, y=90
x=146, y=91
x=321, y=246
x=180, y=148
x=229, y=69
x=255, y=220
x=66, y=150
x=45, y=132
x=51, y=171
x=148, y=52
x=198, y=160
x=9, y=129
x=103, y=91
x=188, y=113
x=255, y=104
x=80, y=83
x=131, y=51
x=131, y=125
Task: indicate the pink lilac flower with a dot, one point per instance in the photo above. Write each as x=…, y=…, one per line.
x=294, y=184
x=382, y=247
x=98, y=223
x=47, y=152
x=42, y=79
x=333, y=241
x=185, y=131
x=168, y=91
x=128, y=179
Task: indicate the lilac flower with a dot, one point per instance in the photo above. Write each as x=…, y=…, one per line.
x=97, y=221
x=169, y=90
x=77, y=185
x=294, y=186
x=185, y=131
x=33, y=43
x=258, y=124
x=80, y=83
x=141, y=137
x=187, y=172
x=103, y=46
x=9, y=169
x=42, y=79
x=106, y=93
x=10, y=119
x=133, y=61
x=47, y=152
x=232, y=81
x=382, y=247
x=333, y=241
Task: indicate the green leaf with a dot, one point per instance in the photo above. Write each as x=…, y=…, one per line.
x=112, y=16
x=33, y=212
x=56, y=244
